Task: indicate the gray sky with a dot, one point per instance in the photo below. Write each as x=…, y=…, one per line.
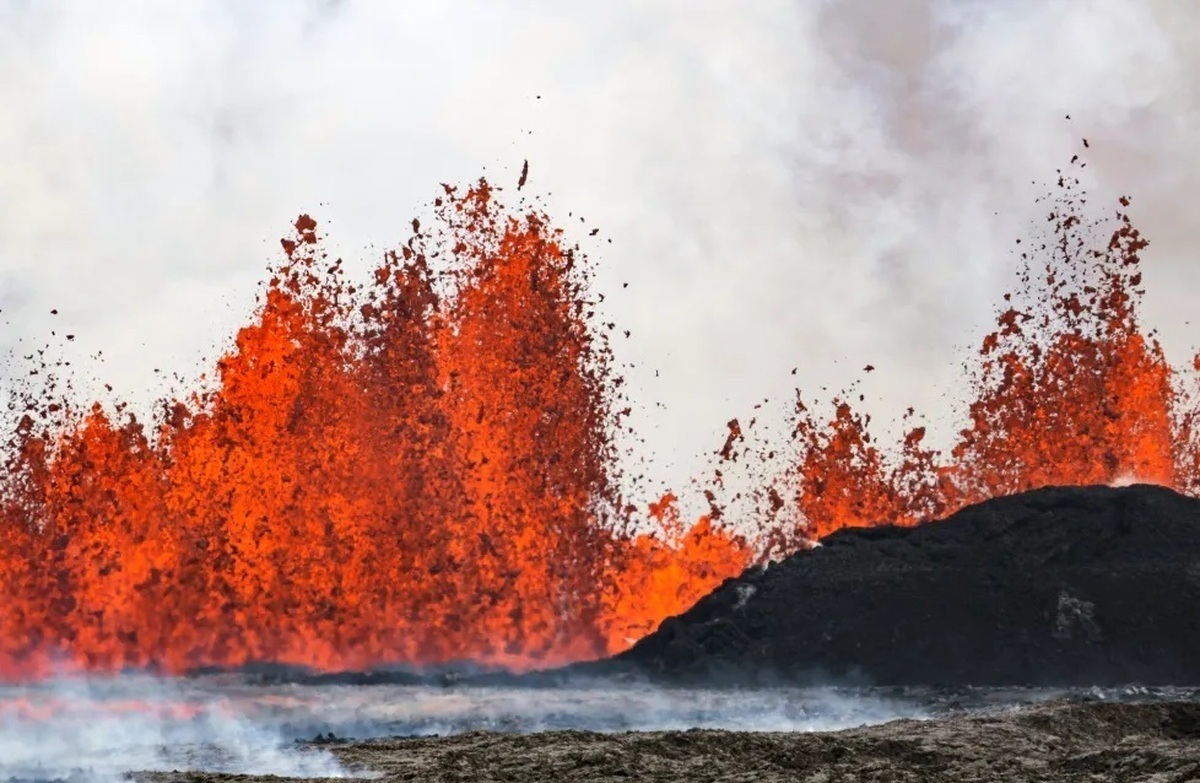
x=810, y=183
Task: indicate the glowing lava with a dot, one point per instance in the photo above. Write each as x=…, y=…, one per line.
x=420, y=469
x=1068, y=390
x=386, y=475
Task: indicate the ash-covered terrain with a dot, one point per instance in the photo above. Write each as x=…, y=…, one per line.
x=1076, y=586
x=1057, y=741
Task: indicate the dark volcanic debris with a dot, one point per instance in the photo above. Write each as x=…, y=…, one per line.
x=1059, y=586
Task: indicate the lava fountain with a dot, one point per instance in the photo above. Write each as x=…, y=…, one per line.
x=419, y=468
x=414, y=471
x=1068, y=389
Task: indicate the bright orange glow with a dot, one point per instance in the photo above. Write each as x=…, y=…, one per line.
x=385, y=475
x=421, y=469
x=1068, y=390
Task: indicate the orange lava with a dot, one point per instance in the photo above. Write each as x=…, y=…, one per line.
x=420, y=469
x=1069, y=389
x=389, y=474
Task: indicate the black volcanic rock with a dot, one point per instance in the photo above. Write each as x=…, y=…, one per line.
x=1060, y=586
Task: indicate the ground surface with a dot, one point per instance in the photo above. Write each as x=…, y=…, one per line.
x=1061, y=586
x=1052, y=742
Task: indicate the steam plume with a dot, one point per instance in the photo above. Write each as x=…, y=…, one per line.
x=793, y=183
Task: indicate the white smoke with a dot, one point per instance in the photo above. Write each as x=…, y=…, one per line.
x=383, y=711
x=786, y=183
x=96, y=731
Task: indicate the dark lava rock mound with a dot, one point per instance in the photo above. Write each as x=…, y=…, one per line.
x=1061, y=586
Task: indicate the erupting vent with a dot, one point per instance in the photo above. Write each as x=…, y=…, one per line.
x=1068, y=390
x=421, y=469
x=383, y=474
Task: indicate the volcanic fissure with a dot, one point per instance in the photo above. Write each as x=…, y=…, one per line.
x=421, y=468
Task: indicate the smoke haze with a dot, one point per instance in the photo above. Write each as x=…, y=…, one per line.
x=94, y=731
x=806, y=184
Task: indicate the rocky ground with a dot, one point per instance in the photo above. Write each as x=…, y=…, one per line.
x=1073, y=586
x=1058, y=741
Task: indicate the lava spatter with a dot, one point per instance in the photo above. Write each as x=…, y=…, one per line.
x=419, y=469
x=414, y=471
x=1069, y=389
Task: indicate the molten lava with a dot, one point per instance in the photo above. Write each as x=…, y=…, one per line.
x=1068, y=390
x=421, y=469
x=388, y=475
